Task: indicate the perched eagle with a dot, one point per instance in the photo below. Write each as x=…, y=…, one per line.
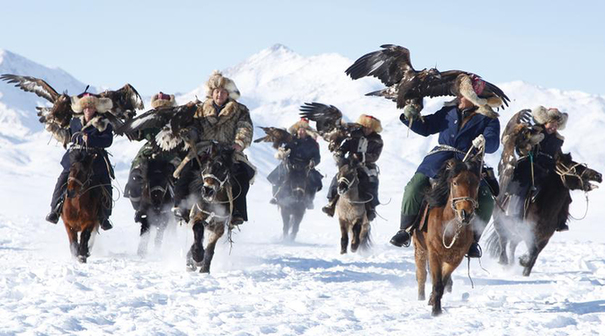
x=124, y=102
x=406, y=86
x=329, y=123
x=518, y=138
x=277, y=136
x=173, y=122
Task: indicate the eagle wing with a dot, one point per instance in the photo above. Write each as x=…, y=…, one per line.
x=518, y=137
x=329, y=122
x=32, y=84
x=277, y=136
x=389, y=65
x=125, y=102
x=447, y=84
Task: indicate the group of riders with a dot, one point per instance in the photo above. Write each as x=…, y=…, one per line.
x=221, y=118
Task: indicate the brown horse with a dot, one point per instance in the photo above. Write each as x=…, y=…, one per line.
x=82, y=204
x=449, y=232
x=351, y=209
x=544, y=215
x=214, y=206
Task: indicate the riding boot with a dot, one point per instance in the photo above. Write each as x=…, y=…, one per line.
x=562, y=227
x=371, y=205
x=275, y=189
x=106, y=206
x=56, y=204
x=240, y=190
x=474, y=250
x=402, y=237
x=332, y=199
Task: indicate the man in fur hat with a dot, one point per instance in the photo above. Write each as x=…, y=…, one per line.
x=304, y=150
x=134, y=186
x=527, y=180
x=92, y=132
x=460, y=124
x=364, y=145
x=221, y=118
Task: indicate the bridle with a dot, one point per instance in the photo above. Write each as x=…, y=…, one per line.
x=563, y=171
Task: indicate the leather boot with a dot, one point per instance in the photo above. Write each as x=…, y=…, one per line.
x=474, y=251
x=330, y=207
x=402, y=237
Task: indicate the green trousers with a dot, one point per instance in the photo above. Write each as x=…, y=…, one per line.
x=414, y=193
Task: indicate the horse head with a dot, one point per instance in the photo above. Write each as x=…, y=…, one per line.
x=157, y=180
x=297, y=178
x=80, y=172
x=216, y=171
x=576, y=176
x=347, y=178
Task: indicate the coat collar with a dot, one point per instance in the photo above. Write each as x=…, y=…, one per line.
x=97, y=122
x=208, y=112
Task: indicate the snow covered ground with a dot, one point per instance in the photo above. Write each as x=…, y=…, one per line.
x=261, y=285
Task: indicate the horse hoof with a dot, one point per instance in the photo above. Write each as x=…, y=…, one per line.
x=436, y=312
x=431, y=301
x=524, y=260
x=205, y=269
x=82, y=259
x=421, y=297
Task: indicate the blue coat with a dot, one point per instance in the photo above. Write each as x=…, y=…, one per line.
x=97, y=140
x=445, y=122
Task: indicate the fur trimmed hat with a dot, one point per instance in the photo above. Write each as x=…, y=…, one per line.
x=543, y=115
x=370, y=122
x=217, y=80
x=162, y=100
x=303, y=123
x=472, y=87
x=86, y=99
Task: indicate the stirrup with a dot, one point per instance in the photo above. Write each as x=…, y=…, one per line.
x=401, y=239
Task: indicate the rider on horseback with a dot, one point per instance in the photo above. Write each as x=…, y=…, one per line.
x=364, y=145
x=222, y=119
x=134, y=186
x=91, y=133
x=303, y=150
x=537, y=160
x=460, y=125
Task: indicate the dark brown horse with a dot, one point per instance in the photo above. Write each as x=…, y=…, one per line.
x=214, y=206
x=351, y=209
x=82, y=204
x=449, y=230
x=544, y=215
x=292, y=197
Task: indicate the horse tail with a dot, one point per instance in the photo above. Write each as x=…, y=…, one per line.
x=492, y=241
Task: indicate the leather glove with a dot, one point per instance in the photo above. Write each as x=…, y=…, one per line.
x=282, y=153
x=411, y=112
x=479, y=141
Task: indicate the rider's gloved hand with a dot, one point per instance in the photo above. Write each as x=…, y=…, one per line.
x=479, y=141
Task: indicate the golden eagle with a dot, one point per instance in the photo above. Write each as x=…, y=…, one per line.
x=124, y=102
x=278, y=136
x=407, y=86
x=330, y=125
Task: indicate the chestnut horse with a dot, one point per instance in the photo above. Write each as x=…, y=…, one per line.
x=214, y=206
x=547, y=212
x=449, y=232
x=82, y=203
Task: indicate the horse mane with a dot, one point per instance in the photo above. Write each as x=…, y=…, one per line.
x=437, y=195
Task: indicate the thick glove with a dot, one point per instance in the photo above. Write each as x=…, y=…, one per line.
x=479, y=142
x=411, y=112
x=311, y=164
x=282, y=153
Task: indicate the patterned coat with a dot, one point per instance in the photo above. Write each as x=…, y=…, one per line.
x=230, y=125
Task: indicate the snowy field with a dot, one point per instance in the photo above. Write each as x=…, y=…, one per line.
x=261, y=285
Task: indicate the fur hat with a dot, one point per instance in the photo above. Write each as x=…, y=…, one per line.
x=370, y=122
x=161, y=100
x=543, y=115
x=86, y=99
x=217, y=80
x=303, y=123
x=472, y=87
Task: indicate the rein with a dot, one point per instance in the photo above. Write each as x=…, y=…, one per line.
x=564, y=171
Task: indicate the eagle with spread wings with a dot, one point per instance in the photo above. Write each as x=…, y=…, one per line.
x=173, y=122
x=407, y=86
x=125, y=102
x=278, y=136
x=330, y=125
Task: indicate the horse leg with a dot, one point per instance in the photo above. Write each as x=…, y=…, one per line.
x=528, y=260
x=448, y=283
x=364, y=235
x=296, y=219
x=210, y=248
x=420, y=257
x=502, y=240
x=196, y=252
x=344, y=236
x=162, y=223
x=285, y=217
x=437, y=279
x=144, y=237
x=356, y=232
x=72, y=235
x=84, y=239
x=512, y=247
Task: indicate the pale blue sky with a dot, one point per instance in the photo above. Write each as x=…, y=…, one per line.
x=174, y=45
